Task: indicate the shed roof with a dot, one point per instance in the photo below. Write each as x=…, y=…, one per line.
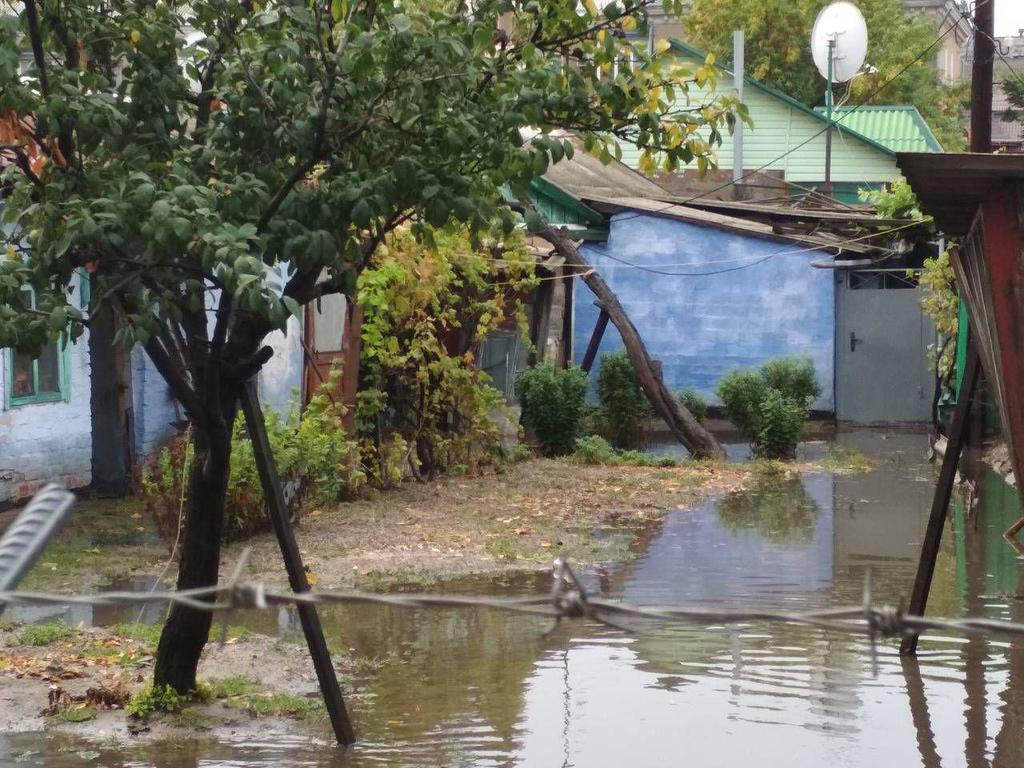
x=901, y=128
x=951, y=186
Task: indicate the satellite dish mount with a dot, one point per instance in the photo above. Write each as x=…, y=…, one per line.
x=839, y=43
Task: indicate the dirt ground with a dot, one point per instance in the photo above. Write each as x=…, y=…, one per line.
x=519, y=519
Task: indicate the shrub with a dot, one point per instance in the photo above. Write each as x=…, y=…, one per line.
x=770, y=406
x=694, y=402
x=594, y=449
x=623, y=405
x=553, y=404
x=315, y=459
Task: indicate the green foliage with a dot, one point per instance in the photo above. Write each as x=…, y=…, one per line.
x=153, y=699
x=278, y=704
x=427, y=310
x=227, y=687
x=769, y=406
x=896, y=202
x=694, y=402
x=196, y=144
x=76, y=714
x=778, y=53
x=594, y=449
x=941, y=303
x=44, y=634
x=623, y=404
x=779, y=508
x=314, y=457
x=553, y=405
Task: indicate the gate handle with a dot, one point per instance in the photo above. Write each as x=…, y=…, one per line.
x=854, y=341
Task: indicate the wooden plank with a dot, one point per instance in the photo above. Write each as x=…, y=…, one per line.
x=595, y=341
x=943, y=492
x=278, y=513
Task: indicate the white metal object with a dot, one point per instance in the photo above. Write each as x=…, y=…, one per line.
x=843, y=24
x=738, y=73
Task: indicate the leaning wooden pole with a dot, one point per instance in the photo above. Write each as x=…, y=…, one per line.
x=700, y=442
x=278, y=512
x=943, y=493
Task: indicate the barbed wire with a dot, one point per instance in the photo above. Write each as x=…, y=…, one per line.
x=568, y=600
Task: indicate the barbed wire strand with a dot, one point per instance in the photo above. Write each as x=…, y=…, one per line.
x=567, y=600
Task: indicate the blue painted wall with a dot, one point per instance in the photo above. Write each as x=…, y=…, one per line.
x=702, y=326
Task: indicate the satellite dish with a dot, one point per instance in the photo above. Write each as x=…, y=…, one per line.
x=844, y=23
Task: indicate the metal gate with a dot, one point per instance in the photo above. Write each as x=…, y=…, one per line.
x=883, y=371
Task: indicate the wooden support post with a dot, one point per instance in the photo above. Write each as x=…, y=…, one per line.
x=595, y=341
x=943, y=492
x=278, y=512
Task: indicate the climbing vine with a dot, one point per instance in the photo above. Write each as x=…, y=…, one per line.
x=430, y=301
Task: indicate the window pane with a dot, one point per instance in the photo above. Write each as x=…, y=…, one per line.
x=49, y=371
x=329, y=323
x=23, y=385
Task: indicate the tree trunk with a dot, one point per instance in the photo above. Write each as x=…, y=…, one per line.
x=700, y=442
x=186, y=631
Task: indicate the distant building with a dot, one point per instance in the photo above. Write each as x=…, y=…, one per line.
x=1007, y=120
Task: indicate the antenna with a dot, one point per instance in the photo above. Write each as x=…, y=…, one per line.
x=839, y=43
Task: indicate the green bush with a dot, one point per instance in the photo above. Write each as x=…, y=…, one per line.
x=594, y=449
x=623, y=405
x=315, y=458
x=770, y=406
x=553, y=404
x=694, y=402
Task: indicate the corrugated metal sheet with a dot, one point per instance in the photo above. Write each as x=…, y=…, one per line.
x=900, y=128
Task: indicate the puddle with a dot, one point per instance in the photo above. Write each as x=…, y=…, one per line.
x=481, y=688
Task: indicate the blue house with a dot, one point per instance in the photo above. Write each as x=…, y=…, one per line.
x=713, y=286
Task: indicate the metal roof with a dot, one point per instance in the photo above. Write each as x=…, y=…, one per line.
x=899, y=127
x=951, y=186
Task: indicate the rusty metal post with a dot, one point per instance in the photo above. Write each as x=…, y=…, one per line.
x=943, y=492
x=278, y=512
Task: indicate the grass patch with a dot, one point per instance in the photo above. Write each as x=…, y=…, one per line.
x=9, y=625
x=846, y=461
x=193, y=718
x=227, y=687
x=502, y=548
x=127, y=657
x=278, y=704
x=75, y=714
x=135, y=630
x=44, y=634
x=596, y=450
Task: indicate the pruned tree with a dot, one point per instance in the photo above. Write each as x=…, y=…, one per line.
x=218, y=165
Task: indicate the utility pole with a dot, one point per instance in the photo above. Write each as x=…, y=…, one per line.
x=981, y=76
x=828, y=116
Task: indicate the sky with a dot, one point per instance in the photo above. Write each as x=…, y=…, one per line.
x=1009, y=16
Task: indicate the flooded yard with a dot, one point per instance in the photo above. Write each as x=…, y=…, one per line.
x=480, y=688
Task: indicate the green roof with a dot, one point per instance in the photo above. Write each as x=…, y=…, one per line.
x=900, y=128
x=842, y=127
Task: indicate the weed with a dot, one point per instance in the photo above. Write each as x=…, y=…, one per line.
x=193, y=718
x=135, y=630
x=123, y=656
x=152, y=699
x=9, y=625
x=843, y=460
x=44, y=634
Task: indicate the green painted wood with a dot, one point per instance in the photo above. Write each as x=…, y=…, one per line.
x=63, y=374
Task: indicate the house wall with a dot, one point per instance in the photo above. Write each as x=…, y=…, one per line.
x=155, y=410
x=700, y=327
x=779, y=127
x=47, y=442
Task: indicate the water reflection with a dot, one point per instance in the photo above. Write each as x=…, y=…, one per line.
x=477, y=688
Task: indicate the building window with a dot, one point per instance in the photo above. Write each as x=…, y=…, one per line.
x=37, y=380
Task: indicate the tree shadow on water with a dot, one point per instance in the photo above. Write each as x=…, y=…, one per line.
x=780, y=509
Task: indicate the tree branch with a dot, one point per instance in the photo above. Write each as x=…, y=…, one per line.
x=179, y=385
x=36, y=39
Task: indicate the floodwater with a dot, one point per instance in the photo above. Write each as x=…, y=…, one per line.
x=480, y=688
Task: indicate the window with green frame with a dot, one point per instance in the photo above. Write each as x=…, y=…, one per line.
x=42, y=379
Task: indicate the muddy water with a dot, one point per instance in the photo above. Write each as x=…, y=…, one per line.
x=477, y=688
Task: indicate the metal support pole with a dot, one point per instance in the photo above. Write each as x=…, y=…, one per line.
x=828, y=117
x=595, y=341
x=738, y=74
x=943, y=492
x=278, y=512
